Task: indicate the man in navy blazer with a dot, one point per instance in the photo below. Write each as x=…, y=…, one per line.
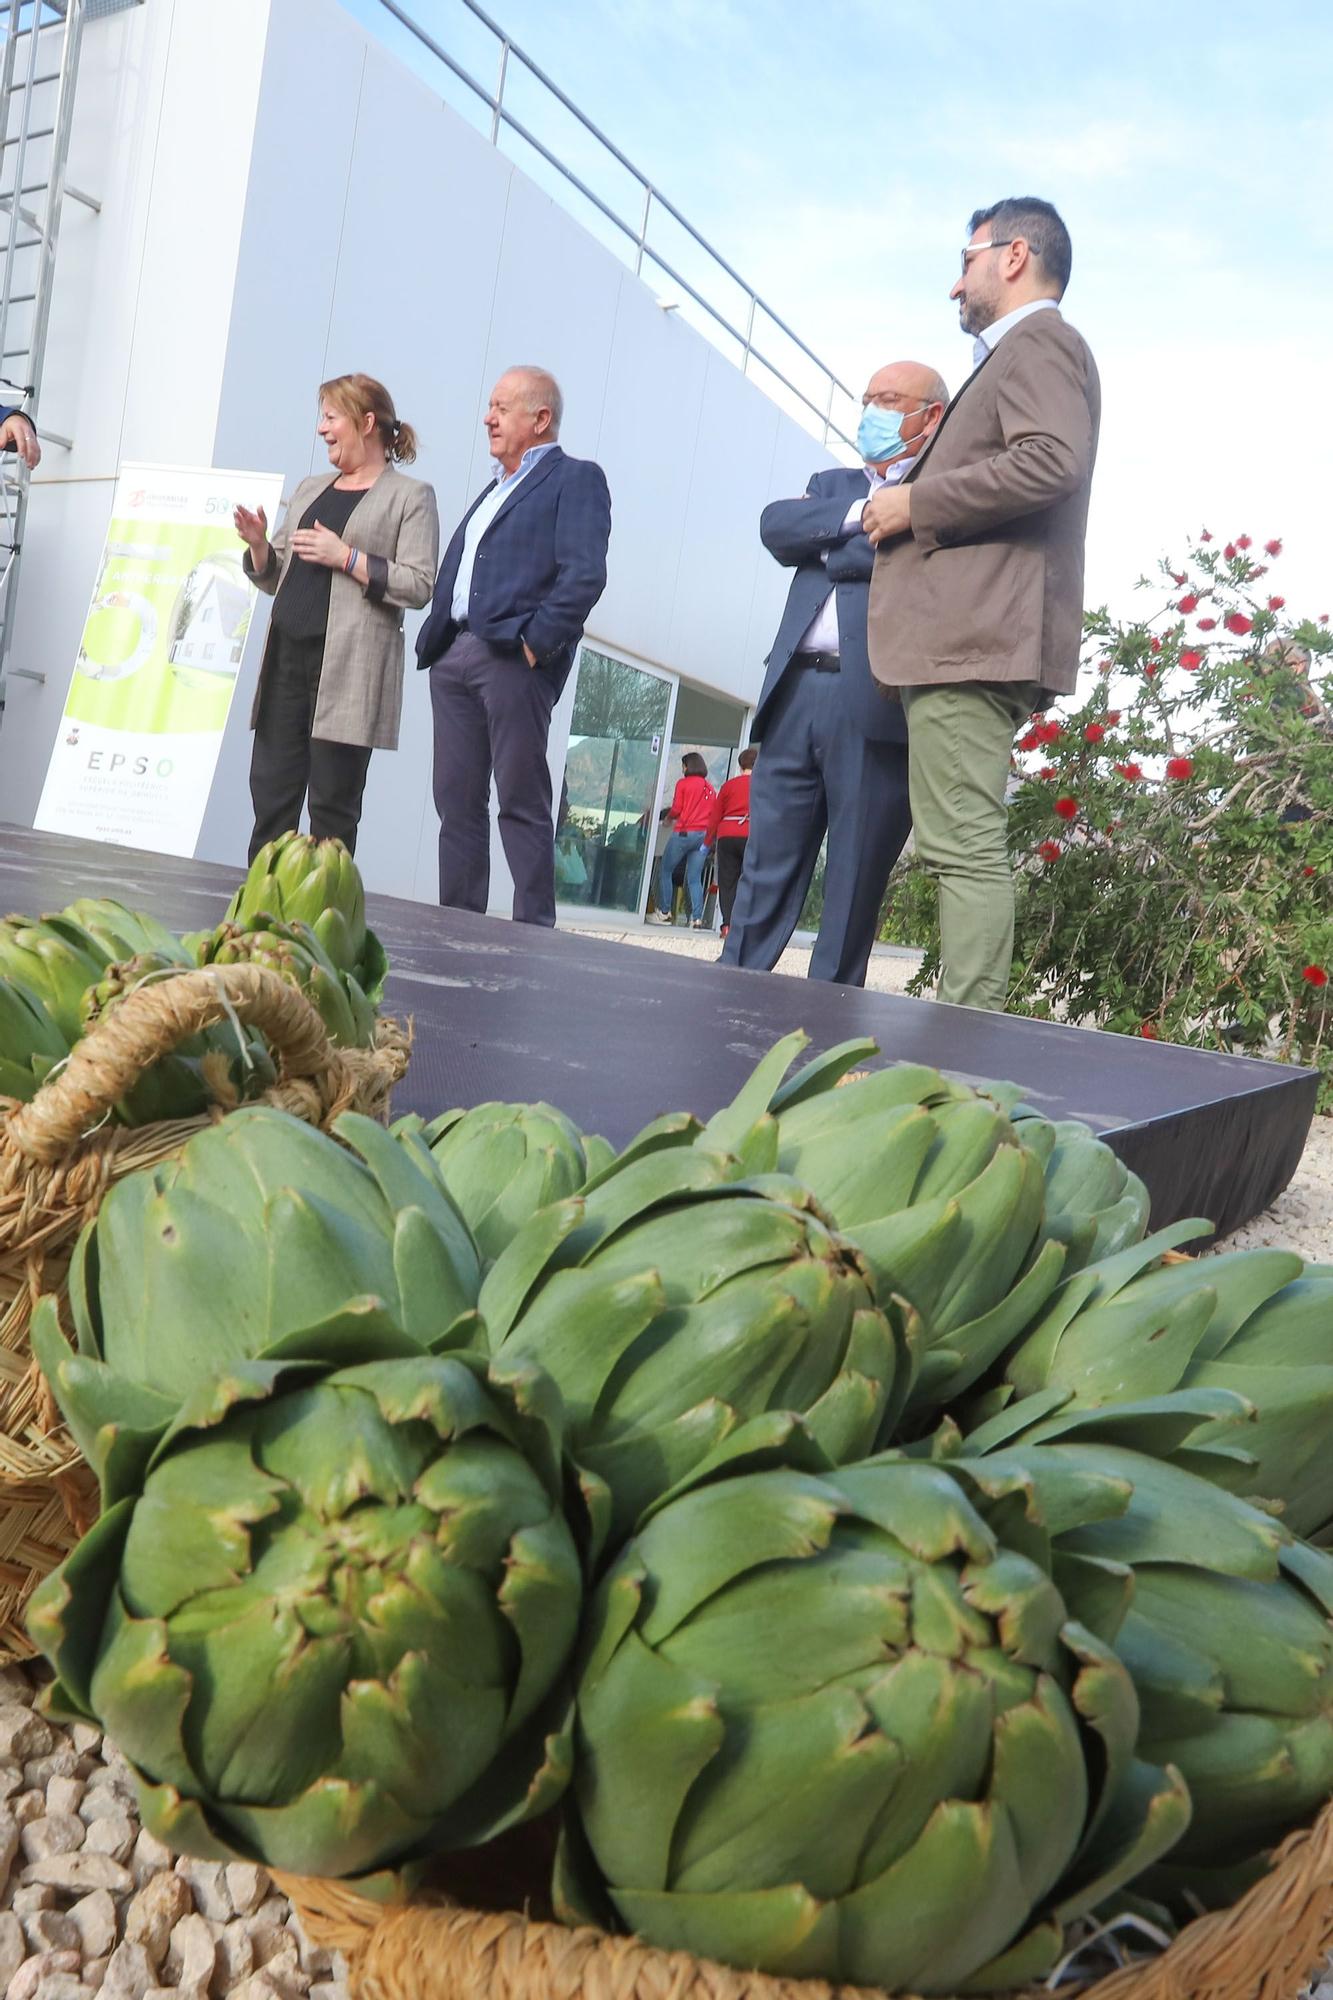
x=524, y=569
x=17, y=434
x=834, y=747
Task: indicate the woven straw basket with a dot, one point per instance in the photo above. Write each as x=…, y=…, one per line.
x=57, y=1159
x=1263, y=1948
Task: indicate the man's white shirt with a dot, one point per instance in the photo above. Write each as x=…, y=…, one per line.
x=505, y=482
x=821, y=635
x=989, y=336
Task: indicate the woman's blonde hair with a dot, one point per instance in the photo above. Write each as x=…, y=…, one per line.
x=360, y=396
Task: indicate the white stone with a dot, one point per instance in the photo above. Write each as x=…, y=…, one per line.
x=150, y=1858
x=78, y=1872
x=64, y=1795
x=57, y=1833
x=28, y=1806
x=93, y=1971
x=208, y=1880
x=9, y=1844
x=62, y=1762
x=192, y=1954
x=63, y=1986
x=11, y=1777
x=51, y=1930
x=13, y=1946
x=247, y=1885
x=33, y=1971
x=235, y=1958
x=129, y=1973
x=25, y=1901
x=23, y=1734
x=95, y=1916
x=115, y=1835
x=160, y=1904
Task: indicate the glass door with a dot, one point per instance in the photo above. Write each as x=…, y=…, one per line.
x=617, y=740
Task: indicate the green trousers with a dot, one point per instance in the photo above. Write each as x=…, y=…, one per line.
x=960, y=741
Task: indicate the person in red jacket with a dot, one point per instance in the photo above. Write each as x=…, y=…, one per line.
x=690, y=811
x=728, y=831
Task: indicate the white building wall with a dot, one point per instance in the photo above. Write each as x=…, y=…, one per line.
x=282, y=201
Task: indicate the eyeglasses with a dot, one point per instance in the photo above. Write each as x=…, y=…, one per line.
x=975, y=249
x=893, y=399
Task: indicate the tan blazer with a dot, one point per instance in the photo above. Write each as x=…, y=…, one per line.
x=988, y=585
x=361, y=681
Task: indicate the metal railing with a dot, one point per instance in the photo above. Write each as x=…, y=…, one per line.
x=637, y=234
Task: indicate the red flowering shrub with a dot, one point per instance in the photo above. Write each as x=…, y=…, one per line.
x=1193, y=901
x=1188, y=603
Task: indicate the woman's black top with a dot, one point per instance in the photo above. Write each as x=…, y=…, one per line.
x=301, y=607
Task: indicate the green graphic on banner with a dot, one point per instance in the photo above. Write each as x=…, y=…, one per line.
x=166, y=630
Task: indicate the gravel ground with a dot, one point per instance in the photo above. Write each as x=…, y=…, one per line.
x=91, y=1904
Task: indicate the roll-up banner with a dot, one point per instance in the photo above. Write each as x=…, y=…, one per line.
x=158, y=661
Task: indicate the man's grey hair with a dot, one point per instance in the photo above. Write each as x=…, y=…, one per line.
x=543, y=392
x=1040, y=227
x=937, y=389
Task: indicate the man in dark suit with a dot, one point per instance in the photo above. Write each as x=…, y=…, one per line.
x=834, y=747
x=17, y=434
x=976, y=607
x=525, y=567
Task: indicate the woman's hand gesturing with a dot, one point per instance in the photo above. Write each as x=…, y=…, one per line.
x=320, y=545
x=252, y=527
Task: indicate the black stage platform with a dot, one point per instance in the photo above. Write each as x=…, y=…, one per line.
x=614, y=1035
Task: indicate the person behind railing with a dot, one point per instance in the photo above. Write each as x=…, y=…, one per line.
x=356, y=548
x=690, y=811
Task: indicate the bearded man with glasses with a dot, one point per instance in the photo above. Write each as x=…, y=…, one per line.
x=976, y=601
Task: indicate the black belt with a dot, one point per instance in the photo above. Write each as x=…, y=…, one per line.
x=823, y=663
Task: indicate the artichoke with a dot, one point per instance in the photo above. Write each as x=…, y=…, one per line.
x=55, y=964
x=119, y=932
x=293, y=950
x=832, y=1726
x=328, y=1629
x=30, y=1042
x=262, y=1235
x=502, y=1162
x=672, y=1304
x=1222, y=1618
x=971, y=1214
x=302, y=880
x=1246, y=1335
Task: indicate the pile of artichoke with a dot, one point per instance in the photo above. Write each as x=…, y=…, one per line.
x=301, y=911
x=868, y=1549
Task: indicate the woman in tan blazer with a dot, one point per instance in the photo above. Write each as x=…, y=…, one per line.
x=356, y=548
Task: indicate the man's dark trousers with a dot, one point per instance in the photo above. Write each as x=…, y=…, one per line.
x=815, y=773
x=493, y=711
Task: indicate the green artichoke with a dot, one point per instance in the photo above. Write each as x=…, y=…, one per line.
x=261, y=1237
x=1240, y=1336
x=30, y=1042
x=55, y=964
x=316, y=882
x=832, y=1727
x=329, y=1629
x=292, y=949
x=671, y=1304
x=1222, y=1618
x=119, y=932
x=502, y=1162
x=969, y=1213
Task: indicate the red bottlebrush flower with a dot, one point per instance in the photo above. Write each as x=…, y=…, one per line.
x=1105, y=666
x=1315, y=975
x=1067, y=808
x=1256, y=570
x=1112, y=717
x=1307, y=870
x=1178, y=579
x=1133, y=772
x=1323, y=618
x=1050, y=732
x=1191, y=660
x=1148, y=1032
x=1242, y=541
x=1179, y=768
x=1188, y=603
x=1204, y=535
x=1236, y=621
x=1276, y=603
x=1150, y=670
x=1046, y=773
x=1030, y=741
x=1230, y=551
x=1094, y=732
x=1273, y=548
x=1154, y=645
x=1049, y=851
x=1207, y=624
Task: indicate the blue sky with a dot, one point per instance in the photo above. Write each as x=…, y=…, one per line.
x=832, y=153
